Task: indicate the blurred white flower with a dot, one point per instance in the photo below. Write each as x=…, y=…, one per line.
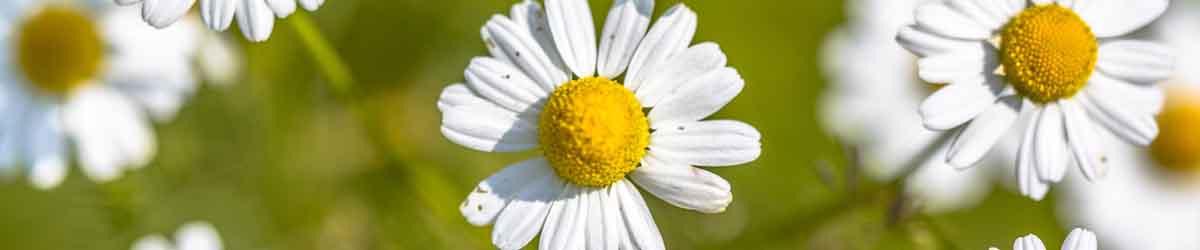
x=191, y=236
x=256, y=18
x=1155, y=192
x=871, y=104
x=1007, y=62
x=548, y=86
x=1079, y=239
x=93, y=76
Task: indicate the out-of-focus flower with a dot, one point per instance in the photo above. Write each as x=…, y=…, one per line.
x=91, y=76
x=1079, y=239
x=1006, y=62
x=256, y=18
x=540, y=89
x=1156, y=192
x=871, y=104
x=191, y=236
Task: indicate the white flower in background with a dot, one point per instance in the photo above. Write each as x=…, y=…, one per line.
x=191, y=236
x=1079, y=239
x=1061, y=67
x=93, y=76
x=1156, y=192
x=872, y=104
x=256, y=18
x=540, y=90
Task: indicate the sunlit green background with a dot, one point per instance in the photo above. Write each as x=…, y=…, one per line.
x=281, y=161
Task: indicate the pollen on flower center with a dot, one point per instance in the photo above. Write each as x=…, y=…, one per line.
x=1177, y=147
x=1048, y=53
x=593, y=131
x=58, y=49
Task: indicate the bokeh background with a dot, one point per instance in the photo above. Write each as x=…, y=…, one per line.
x=279, y=160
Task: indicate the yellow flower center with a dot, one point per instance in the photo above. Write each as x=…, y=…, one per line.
x=58, y=49
x=1177, y=147
x=1048, y=53
x=593, y=131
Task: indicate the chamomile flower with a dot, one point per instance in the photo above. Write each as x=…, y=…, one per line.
x=256, y=18
x=1159, y=192
x=1059, y=66
x=1079, y=239
x=547, y=87
x=92, y=77
x=871, y=101
x=190, y=236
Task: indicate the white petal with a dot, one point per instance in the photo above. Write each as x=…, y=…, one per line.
x=566, y=222
x=1144, y=98
x=1029, y=242
x=624, y=27
x=983, y=12
x=282, y=8
x=518, y=45
x=677, y=70
x=109, y=131
x=1013, y=6
x=529, y=14
x=604, y=229
x=1028, y=181
x=127, y=2
x=951, y=23
x=574, y=34
x=1111, y=18
x=1118, y=115
x=152, y=242
x=163, y=13
x=707, y=143
x=459, y=94
x=503, y=84
x=684, y=186
x=256, y=20
x=218, y=14
x=1050, y=148
x=643, y=233
x=491, y=195
x=1084, y=141
x=698, y=98
x=957, y=103
x=311, y=5
x=952, y=67
x=670, y=35
x=198, y=236
x=1139, y=62
x=522, y=219
x=488, y=128
x=46, y=147
x=983, y=133
x=924, y=43
x=1080, y=239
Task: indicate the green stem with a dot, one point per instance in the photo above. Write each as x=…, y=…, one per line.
x=331, y=65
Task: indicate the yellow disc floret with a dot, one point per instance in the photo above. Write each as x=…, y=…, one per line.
x=1178, y=144
x=1048, y=53
x=593, y=131
x=58, y=49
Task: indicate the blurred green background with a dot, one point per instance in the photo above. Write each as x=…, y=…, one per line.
x=281, y=161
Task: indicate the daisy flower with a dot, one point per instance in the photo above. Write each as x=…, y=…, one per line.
x=548, y=87
x=1159, y=193
x=871, y=101
x=1079, y=239
x=190, y=236
x=87, y=76
x=256, y=18
x=1061, y=67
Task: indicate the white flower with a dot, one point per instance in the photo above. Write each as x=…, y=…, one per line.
x=1061, y=67
x=92, y=76
x=1159, y=192
x=1079, y=239
x=256, y=18
x=539, y=90
x=871, y=101
x=191, y=236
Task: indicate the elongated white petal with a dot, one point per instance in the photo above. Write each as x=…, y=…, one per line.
x=529, y=14
x=924, y=43
x=311, y=5
x=707, y=143
x=983, y=133
x=953, y=67
x=524, y=216
x=152, y=242
x=504, y=85
x=950, y=22
x=282, y=8
x=982, y=12
x=518, y=45
x=1029, y=242
x=459, y=94
x=643, y=232
x=488, y=128
x=671, y=34
x=1111, y=18
x=218, y=14
x=1136, y=61
x=110, y=132
x=255, y=19
x=604, y=225
x=566, y=222
x=1028, y=181
x=46, y=148
x=1080, y=239
x=1124, y=120
x=574, y=34
x=198, y=235
x=1085, y=143
x=684, y=186
x=163, y=13
x=698, y=98
x=957, y=103
x=1142, y=98
x=491, y=195
x=677, y=70
x=624, y=27
x=1050, y=147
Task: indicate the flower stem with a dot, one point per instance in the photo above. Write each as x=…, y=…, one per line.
x=336, y=71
